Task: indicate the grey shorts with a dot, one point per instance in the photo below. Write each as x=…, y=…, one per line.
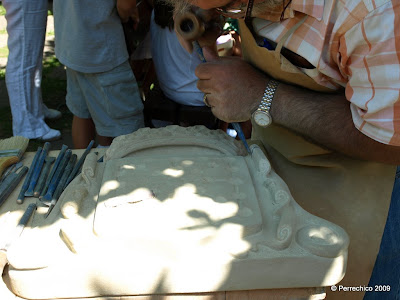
x=111, y=99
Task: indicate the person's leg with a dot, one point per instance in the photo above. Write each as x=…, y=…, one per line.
x=83, y=131
x=104, y=141
x=385, y=278
x=26, y=26
x=83, y=128
x=114, y=103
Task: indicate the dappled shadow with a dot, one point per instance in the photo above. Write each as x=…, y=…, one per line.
x=200, y=198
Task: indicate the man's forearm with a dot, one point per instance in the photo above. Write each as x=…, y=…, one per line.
x=326, y=119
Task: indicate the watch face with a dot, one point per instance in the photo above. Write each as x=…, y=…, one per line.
x=262, y=118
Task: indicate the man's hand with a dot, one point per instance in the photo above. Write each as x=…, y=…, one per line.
x=234, y=88
x=127, y=9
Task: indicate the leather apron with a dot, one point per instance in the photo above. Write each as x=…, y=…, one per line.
x=351, y=193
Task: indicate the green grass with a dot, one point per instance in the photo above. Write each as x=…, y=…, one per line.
x=4, y=51
x=50, y=63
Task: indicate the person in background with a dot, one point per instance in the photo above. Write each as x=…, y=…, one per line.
x=174, y=66
x=102, y=92
x=26, y=28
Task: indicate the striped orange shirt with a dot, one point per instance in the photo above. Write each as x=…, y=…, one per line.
x=353, y=44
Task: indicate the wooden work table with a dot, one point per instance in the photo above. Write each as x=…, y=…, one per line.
x=11, y=212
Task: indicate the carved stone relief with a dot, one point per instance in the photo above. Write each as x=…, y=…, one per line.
x=177, y=210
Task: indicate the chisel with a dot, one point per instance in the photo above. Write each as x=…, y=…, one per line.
x=25, y=185
x=53, y=170
x=56, y=178
x=11, y=182
x=43, y=176
x=37, y=170
x=78, y=165
x=12, y=168
x=21, y=225
x=60, y=187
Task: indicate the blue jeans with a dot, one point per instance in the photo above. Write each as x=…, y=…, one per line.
x=26, y=27
x=386, y=271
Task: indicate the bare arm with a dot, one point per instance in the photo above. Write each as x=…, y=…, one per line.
x=235, y=89
x=126, y=9
x=326, y=119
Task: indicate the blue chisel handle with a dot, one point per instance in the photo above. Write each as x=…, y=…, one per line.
x=57, y=176
x=241, y=136
x=21, y=224
x=199, y=50
x=37, y=170
x=25, y=185
x=43, y=176
x=27, y=214
x=53, y=170
x=7, y=181
x=78, y=165
x=61, y=186
x=13, y=184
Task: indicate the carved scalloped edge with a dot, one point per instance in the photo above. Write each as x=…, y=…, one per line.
x=325, y=241
x=199, y=135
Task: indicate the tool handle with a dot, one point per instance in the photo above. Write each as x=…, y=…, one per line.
x=7, y=172
x=56, y=164
x=57, y=176
x=21, y=225
x=37, y=170
x=78, y=165
x=7, y=181
x=43, y=176
x=241, y=136
x=199, y=50
x=22, y=222
x=64, y=177
x=27, y=214
x=25, y=185
x=11, y=187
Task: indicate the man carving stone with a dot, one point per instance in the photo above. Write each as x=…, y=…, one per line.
x=327, y=74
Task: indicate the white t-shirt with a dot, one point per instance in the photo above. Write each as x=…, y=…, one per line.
x=174, y=66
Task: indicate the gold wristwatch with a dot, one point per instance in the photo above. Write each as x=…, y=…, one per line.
x=262, y=116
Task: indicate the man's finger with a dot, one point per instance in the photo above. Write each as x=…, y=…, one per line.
x=205, y=86
x=204, y=71
x=210, y=54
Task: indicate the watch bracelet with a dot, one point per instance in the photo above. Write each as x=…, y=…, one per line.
x=268, y=95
